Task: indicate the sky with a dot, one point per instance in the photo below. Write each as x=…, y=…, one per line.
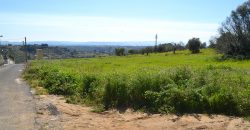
x=113, y=20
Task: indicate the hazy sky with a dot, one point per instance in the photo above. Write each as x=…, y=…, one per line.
x=112, y=20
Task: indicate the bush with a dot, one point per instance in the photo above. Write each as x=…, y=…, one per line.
x=181, y=76
x=224, y=102
x=116, y=92
x=139, y=84
x=60, y=83
x=89, y=83
x=57, y=82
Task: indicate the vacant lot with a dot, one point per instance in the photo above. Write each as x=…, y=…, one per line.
x=158, y=83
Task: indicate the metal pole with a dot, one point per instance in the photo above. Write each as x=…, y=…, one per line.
x=0, y=39
x=26, y=50
x=1, y=50
x=156, y=37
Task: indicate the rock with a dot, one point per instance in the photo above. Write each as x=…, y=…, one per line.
x=52, y=109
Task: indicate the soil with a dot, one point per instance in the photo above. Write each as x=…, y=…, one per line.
x=54, y=114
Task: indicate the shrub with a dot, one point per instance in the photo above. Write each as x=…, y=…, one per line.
x=89, y=82
x=224, y=102
x=139, y=84
x=116, y=91
x=181, y=76
x=57, y=82
x=61, y=84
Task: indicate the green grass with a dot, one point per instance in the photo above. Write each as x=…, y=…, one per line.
x=131, y=63
x=158, y=83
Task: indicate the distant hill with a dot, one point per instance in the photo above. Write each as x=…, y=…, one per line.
x=68, y=43
x=64, y=43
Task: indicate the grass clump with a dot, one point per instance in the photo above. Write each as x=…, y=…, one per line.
x=116, y=93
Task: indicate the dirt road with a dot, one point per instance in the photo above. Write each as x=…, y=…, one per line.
x=17, y=109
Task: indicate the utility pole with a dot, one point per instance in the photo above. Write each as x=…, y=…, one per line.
x=156, y=38
x=0, y=39
x=1, y=51
x=26, y=50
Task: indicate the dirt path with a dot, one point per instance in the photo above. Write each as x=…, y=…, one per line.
x=17, y=109
x=55, y=114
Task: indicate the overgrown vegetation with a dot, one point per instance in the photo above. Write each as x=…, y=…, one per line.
x=195, y=86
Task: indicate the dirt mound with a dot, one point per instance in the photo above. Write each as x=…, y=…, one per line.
x=54, y=114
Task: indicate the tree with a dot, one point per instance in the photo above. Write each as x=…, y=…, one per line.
x=203, y=45
x=161, y=47
x=234, y=39
x=194, y=45
x=119, y=51
x=166, y=47
x=212, y=42
x=147, y=50
x=131, y=51
x=174, y=47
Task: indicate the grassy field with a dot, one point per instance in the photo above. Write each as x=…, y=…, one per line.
x=158, y=83
x=132, y=63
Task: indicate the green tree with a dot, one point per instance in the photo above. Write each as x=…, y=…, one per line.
x=132, y=51
x=119, y=51
x=234, y=37
x=194, y=45
x=203, y=45
x=212, y=42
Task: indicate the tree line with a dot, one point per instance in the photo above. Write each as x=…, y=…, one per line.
x=194, y=45
x=234, y=34
x=233, y=40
